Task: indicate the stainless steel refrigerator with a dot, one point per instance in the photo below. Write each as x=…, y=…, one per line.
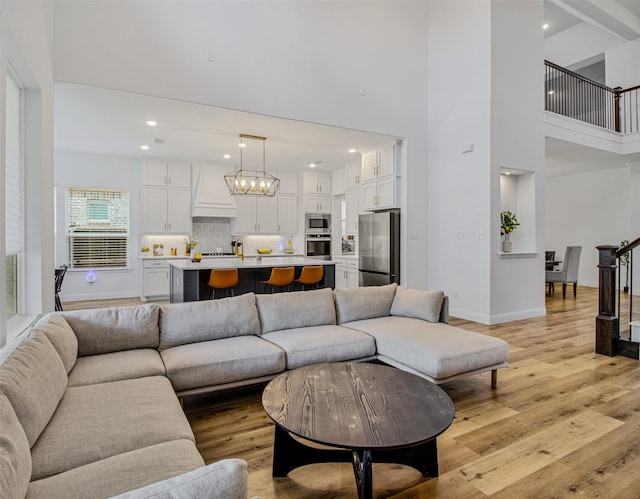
x=379, y=248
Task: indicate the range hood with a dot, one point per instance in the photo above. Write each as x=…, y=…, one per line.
x=211, y=197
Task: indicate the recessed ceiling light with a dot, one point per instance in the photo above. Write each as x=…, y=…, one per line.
x=152, y=123
x=352, y=151
x=312, y=165
x=507, y=173
x=545, y=26
x=550, y=92
x=242, y=144
x=144, y=148
x=226, y=156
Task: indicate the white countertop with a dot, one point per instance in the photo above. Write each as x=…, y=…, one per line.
x=247, y=263
x=211, y=257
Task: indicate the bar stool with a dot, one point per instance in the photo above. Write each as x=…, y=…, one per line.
x=310, y=275
x=224, y=279
x=280, y=277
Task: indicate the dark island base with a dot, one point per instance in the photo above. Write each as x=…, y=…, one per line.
x=289, y=454
x=191, y=285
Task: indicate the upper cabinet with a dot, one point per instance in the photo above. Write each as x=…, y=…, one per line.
x=176, y=175
x=354, y=174
x=166, y=197
x=288, y=182
x=317, y=183
x=380, y=163
x=211, y=196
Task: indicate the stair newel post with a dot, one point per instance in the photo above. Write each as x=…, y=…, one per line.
x=616, y=109
x=607, y=327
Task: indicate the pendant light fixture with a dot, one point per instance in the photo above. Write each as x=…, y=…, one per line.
x=251, y=182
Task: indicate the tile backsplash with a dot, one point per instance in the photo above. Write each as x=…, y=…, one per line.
x=212, y=232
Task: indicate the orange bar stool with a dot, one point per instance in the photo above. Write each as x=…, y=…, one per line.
x=280, y=277
x=224, y=279
x=310, y=276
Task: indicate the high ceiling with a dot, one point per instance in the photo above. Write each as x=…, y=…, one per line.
x=109, y=122
x=204, y=133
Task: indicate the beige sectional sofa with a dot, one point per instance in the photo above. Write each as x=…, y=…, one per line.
x=88, y=400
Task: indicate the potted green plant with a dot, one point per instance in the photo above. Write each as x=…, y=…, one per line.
x=508, y=223
x=624, y=262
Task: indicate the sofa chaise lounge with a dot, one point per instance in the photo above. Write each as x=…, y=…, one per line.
x=88, y=398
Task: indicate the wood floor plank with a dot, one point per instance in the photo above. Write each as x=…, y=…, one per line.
x=563, y=422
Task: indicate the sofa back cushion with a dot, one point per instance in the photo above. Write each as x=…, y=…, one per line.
x=355, y=304
x=418, y=304
x=192, y=322
x=15, y=455
x=298, y=309
x=106, y=330
x=61, y=336
x=34, y=379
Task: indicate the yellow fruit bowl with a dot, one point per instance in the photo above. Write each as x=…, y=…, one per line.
x=264, y=251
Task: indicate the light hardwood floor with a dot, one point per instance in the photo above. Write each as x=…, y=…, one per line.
x=563, y=422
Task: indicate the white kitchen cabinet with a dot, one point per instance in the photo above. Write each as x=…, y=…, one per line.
x=256, y=215
x=379, y=195
x=317, y=183
x=352, y=200
x=347, y=275
x=155, y=278
x=380, y=163
x=287, y=214
x=317, y=204
x=288, y=183
x=354, y=175
x=172, y=174
x=166, y=211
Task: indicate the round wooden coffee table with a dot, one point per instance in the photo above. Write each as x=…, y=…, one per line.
x=367, y=412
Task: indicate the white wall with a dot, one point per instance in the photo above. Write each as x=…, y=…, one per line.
x=482, y=92
x=620, y=69
x=104, y=172
x=589, y=210
x=578, y=43
x=25, y=28
x=299, y=60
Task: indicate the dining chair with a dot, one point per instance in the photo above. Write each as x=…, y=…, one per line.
x=59, y=277
x=568, y=273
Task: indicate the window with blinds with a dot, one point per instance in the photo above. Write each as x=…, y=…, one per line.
x=97, y=228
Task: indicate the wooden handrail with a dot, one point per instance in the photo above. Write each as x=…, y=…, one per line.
x=628, y=247
x=579, y=77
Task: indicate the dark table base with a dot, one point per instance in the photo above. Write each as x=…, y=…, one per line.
x=289, y=454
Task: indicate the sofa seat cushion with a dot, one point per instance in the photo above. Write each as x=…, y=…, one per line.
x=312, y=308
x=193, y=322
x=15, y=455
x=312, y=345
x=434, y=349
x=34, y=380
x=116, y=366
x=104, y=330
x=120, y=473
x=216, y=362
x=226, y=479
x=94, y=422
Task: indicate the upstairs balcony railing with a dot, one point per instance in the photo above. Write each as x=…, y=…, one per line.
x=617, y=325
x=572, y=95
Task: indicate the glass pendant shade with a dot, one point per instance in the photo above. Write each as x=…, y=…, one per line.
x=252, y=182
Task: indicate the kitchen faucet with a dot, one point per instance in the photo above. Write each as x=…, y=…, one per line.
x=240, y=251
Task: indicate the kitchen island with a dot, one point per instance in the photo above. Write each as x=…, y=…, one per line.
x=189, y=279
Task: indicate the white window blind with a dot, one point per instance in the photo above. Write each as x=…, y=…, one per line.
x=97, y=228
x=14, y=200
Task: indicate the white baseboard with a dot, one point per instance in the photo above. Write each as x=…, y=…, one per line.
x=498, y=318
x=134, y=293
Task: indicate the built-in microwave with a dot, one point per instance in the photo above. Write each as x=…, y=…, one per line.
x=318, y=223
